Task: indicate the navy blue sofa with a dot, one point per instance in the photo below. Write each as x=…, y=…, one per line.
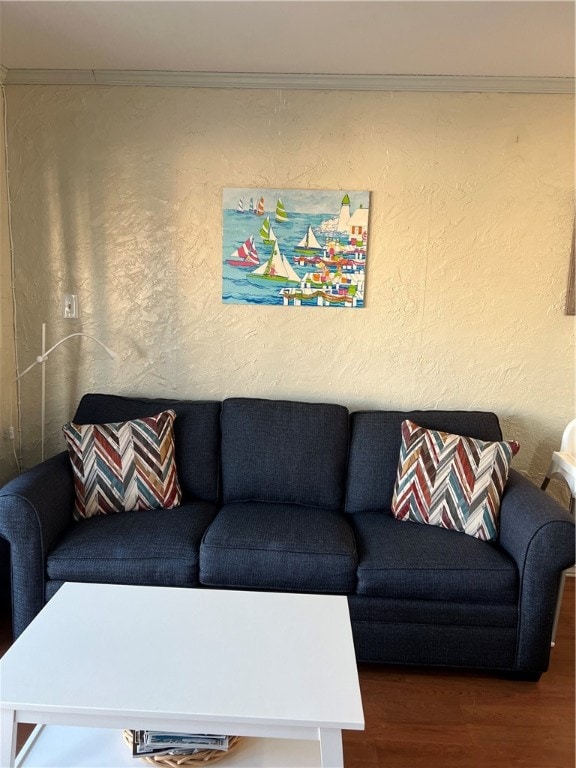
x=296, y=496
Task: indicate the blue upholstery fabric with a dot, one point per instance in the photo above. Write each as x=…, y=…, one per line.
x=477, y=636
x=35, y=508
x=404, y=560
x=147, y=547
x=5, y=592
x=417, y=594
x=196, y=434
x=260, y=545
x=375, y=447
x=437, y=612
x=539, y=535
x=275, y=450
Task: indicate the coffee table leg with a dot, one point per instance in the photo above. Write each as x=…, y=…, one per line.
x=331, y=755
x=7, y=738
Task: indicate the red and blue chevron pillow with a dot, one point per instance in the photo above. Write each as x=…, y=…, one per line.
x=124, y=466
x=451, y=481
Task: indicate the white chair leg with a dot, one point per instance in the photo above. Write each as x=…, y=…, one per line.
x=558, y=606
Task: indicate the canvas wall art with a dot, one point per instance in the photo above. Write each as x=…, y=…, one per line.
x=294, y=247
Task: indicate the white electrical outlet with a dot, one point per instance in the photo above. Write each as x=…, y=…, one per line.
x=69, y=306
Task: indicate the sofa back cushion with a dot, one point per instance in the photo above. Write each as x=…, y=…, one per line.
x=286, y=452
x=196, y=434
x=375, y=442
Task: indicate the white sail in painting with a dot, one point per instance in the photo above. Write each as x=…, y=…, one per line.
x=291, y=274
x=276, y=268
x=309, y=242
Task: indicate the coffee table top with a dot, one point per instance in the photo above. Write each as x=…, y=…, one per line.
x=214, y=655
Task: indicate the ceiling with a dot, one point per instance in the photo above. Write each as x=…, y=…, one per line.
x=402, y=37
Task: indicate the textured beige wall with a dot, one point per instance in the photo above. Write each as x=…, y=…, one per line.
x=117, y=197
x=8, y=447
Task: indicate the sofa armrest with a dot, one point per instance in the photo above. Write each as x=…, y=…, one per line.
x=35, y=508
x=539, y=534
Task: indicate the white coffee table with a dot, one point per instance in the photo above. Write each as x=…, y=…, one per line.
x=278, y=668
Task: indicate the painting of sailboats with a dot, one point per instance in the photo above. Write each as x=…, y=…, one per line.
x=292, y=247
x=281, y=213
x=246, y=255
x=277, y=268
x=266, y=232
x=309, y=243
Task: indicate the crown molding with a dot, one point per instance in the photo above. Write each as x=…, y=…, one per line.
x=434, y=83
x=50, y=77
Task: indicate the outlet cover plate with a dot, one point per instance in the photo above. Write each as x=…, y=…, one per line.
x=70, y=306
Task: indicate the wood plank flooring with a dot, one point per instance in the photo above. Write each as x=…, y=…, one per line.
x=422, y=718
x=439, y=719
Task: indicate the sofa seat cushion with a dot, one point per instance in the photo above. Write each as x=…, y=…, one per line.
x=157, y=547
x=263, y=545
x=405, y=560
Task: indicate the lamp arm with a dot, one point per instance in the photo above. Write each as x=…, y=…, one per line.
x=110, y=353
x=24, y=372
x=42, y=358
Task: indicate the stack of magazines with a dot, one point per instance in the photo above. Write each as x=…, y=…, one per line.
x=162, y=743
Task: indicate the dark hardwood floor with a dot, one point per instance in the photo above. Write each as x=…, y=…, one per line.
x=440, y=719
x=421, y=718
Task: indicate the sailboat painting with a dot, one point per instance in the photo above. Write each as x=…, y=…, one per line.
x=315, y=255
x=246, y=255
x=267, y=233
x=309, y=243
x=281, y=213
x=276, y=268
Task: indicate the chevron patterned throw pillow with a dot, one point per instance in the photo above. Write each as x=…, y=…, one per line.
x=451, y=481
x=123, y=466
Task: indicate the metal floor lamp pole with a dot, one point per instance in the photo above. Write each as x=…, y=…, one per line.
x=41, y=360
